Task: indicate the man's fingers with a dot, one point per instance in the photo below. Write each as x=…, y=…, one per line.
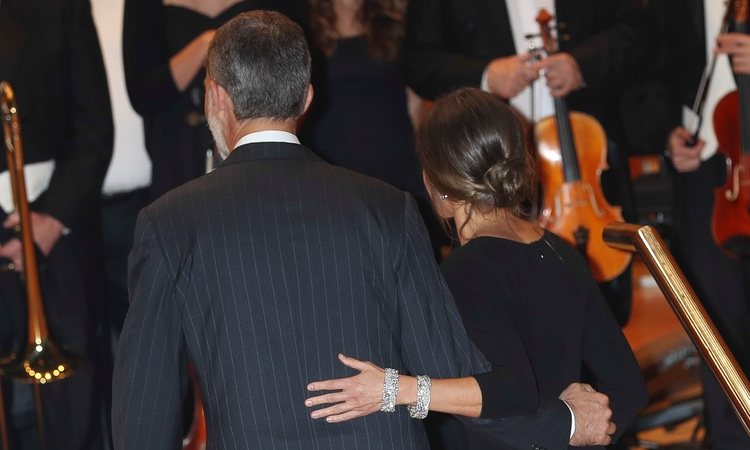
x=11, y=221
x=612, y=429
x=12, y=251
x=524, y=57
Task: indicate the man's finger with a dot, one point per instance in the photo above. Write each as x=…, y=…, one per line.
x=11, y=221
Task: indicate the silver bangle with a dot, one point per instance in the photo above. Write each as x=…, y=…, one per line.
x=420, y=409
x=390, y=391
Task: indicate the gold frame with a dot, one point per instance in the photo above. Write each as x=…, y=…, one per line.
x=688, y=308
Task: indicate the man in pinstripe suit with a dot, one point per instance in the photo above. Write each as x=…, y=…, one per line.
x=261, y=272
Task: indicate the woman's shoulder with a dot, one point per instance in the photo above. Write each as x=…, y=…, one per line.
x=569, y=255
x=483, y=256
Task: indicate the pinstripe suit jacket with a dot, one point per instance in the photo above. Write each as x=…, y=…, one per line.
x=260, y=273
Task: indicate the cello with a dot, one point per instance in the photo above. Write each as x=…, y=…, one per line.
x=572, y=150
x=730, y=220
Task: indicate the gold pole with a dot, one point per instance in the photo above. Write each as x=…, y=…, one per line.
x=688, y=308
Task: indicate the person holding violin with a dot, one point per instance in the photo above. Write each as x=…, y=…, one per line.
x=721, y=280
x=480, y=43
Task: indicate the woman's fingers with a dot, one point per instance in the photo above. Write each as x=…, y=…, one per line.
x=339, y=408
x=328, y=385
x=354, y=363
x=344, y=417
x=327, y=398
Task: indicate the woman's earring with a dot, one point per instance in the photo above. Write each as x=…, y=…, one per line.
x=443, y=197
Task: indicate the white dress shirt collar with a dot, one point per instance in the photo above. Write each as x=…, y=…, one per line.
x=539, y=103
x=268, y=136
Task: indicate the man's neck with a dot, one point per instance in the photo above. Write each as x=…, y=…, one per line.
x=253, y=126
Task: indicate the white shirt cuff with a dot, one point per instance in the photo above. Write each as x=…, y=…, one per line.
x=572, y=420
x=485, y=85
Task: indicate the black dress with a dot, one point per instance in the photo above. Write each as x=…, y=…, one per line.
x=533, y=309
x=177, y=137
x=359, y=118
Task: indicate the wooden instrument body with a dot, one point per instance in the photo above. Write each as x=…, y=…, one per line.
x=571, y=155
x=730, y=222
x=196, y=437
x=572, y=205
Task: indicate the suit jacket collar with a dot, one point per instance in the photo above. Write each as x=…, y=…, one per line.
x=16, y=18
x=269, y=150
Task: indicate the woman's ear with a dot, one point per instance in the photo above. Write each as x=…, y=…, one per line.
x=441, y=203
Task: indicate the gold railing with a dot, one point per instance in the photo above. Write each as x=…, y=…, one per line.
x=688, y=308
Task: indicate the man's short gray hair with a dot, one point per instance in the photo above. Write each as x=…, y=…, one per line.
x=261, y=58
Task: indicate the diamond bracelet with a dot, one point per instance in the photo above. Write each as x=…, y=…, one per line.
x=420, y=409
x=390, y=391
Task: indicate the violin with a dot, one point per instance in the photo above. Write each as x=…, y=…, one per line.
x=572, y=153
x=730, y=221
x=195, y=438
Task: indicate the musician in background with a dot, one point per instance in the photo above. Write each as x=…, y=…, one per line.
x=165, y=43
x=480, y=43
x=361, y=99
x=720, y=281
x=50, y=54
x=124, y=193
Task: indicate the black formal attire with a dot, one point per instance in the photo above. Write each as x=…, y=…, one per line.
x=534, y=309
x=177, y=137
x=449, y=43
x=50, y=54
x=721, y=283
x=260, y=273
x=359, y=120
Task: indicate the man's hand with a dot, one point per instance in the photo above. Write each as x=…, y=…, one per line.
x=736, y=45
x=562, y=73
x=592, y=415
x=45, y=229
x=508, y=76
x=684, y=158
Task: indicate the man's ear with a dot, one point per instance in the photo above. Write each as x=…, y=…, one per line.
x=308, y=99
x=217, y=101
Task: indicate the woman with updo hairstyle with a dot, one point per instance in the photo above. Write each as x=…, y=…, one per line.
x=525, y=296
x=480, y=158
